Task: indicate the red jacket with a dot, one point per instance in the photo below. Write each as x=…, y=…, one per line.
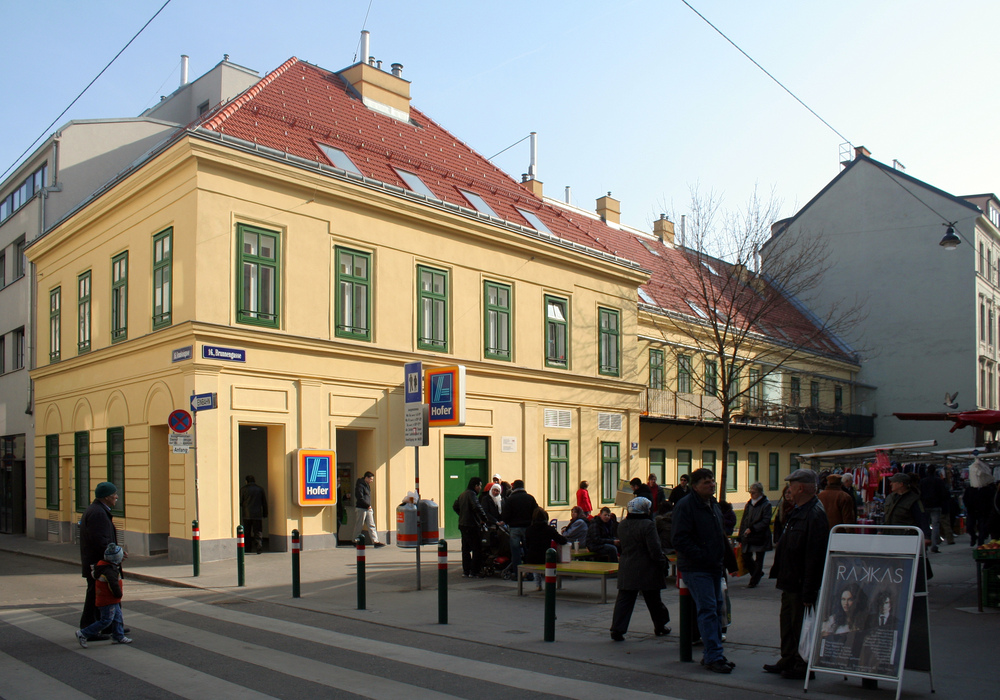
x=583, y=500
x=109, y=583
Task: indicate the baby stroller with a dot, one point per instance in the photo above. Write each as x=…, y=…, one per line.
x=497, y=550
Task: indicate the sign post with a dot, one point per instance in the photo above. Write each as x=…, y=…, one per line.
x=871, y=612
x=415, y=432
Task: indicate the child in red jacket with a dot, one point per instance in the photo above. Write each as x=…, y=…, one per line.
x=108, y=575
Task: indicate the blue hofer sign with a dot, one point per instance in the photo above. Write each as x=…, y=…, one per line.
x=212, y=352
x=316, y=470
x=446, y=396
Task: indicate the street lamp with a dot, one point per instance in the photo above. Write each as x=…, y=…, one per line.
x=950, y=240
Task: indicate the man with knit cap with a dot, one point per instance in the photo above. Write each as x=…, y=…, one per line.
x=97, y=531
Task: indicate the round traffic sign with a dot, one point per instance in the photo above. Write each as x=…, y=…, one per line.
x=179, y=421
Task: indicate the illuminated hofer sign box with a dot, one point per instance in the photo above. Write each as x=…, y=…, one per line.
x=315, y=473
x=445, y=394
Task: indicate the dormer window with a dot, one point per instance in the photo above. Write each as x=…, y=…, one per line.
x=414, y=182
x=994, y=216
x=697, y=310
x=710, y=268
x=339, y=159
x=479, y=204
x=534, y=222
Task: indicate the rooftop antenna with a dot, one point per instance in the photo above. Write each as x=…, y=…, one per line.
x=896, y=165
x=533, y=162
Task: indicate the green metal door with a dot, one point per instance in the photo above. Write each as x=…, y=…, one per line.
x=464, y=458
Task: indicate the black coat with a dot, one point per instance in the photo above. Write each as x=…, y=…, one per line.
x=801, y=551
x=601, y=532
x=641, y=564
x=664, y=524
x=470, y=513
x=97, y=531
x=698, y=535
x=537, y=540
x=679, y=492
x=756, y=518
x=520, y=507
x=493, y=513
x=362, y=495
x=253, y=502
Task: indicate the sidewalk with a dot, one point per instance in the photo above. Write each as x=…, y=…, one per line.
x=489, y=611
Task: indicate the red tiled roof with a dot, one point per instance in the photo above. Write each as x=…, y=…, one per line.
x=298, y=106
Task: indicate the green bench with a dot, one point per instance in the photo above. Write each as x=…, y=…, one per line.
x=580, y=569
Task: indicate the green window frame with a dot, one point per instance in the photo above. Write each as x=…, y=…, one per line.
x=753, y=468
x=838, y=399
x=708, y=460
x=52, y=472
x=683, y=462
x=658, y=465
x=755, y=389
x=353, y=315
x=734, y=386
x=655, y=369
x=556, y=332
x=773, y=466
x=119, y=297
x=116, y=466
x=55, y=324
x=814, y=392
x=793, y=462
x=795, y=392
x=258, y=294
x=81, y=462
x=732, y=465
x=558, y=457
x=683, y=374
x=609, y=342
x=711, y=378
x=163, y=273
x=610, y=466
x=496, y=321
x=83, y=312
x=432, y=301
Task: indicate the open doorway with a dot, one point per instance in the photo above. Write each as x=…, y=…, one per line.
x=253, y=461
x=355, y=456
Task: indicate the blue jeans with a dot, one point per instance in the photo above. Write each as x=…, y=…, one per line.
x=934, y=515
x=110, y=614
x=709, y=601
x=516, y=546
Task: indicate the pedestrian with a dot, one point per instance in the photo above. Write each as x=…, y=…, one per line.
x=107, y=575
x=755, y=533
x=681, y=490
x=664, y=522
x=493, y=503
x=472, y=522
x=640, y=569
x=934, y=495
x=728, y=517
x=253, y=510
x=781, y=513
x=602, y=536
x=703, y=556
x=583, y=499
x=904, y=507
x=847, y=483
x=521, y=506
x=97, y=531
x=577, y=528
x=798, y=569
x=641, y=490
x=659, y=495
x=364, y=516
x=538, y=537
x=837, y=503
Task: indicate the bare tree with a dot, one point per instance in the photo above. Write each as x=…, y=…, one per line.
x=738, y=318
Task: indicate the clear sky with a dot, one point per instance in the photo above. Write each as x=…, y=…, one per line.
x=640, y=97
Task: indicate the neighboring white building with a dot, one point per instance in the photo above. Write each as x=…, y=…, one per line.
x=69, y=167
x=933, y=314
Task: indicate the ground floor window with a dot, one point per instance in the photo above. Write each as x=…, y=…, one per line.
x=610, y=462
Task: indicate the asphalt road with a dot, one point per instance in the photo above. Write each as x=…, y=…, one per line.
x=199, y=644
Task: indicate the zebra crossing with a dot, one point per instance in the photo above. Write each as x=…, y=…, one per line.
x=425, y=672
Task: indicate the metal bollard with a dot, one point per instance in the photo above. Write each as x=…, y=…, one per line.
x=442, y=582
x=296, y=549
x=550, y=594
x=360, y=543
x=241, y=578
x=687, y=615
x=196, y=547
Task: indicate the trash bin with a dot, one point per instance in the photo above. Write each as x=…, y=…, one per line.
x=428, y=522
x=406, y=525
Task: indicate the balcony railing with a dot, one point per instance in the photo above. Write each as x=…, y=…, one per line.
x=663, y=403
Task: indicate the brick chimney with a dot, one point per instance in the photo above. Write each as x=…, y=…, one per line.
x=609, y=209
x=663, y=228
x=534, y=186
x=862, y=151
x=380, y=91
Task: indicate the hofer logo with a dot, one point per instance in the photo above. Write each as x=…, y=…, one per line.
x=315, y=474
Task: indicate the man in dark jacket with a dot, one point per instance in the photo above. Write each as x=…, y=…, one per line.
x=472, y=521
x=681, y=490
x=934, y=494
x=702, y=549
x=641, y=490
x=755, y=532
x=253, y=510
x=798, y=568
x=519, y=509
x=602, y=536
x=97, y=531
x=363, y=513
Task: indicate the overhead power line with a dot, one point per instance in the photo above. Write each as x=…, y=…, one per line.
x=82, y=92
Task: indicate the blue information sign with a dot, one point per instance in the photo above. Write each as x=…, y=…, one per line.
x=213, y=352
x=413, y=383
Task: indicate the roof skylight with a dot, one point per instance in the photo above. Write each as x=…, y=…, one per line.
x=414, y=182
x=710, y=268
x=644, y=295
x=697, y=310
x=339, y=158
x=479, y=204
x=534, y=222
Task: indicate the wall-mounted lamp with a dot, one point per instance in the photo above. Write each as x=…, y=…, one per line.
x=950, y=240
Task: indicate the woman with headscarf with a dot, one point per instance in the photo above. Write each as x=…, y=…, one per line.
x=640, y=569
x=492, y=502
